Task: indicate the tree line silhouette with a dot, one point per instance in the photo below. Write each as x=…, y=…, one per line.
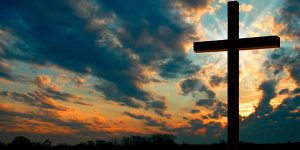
x=161, y=141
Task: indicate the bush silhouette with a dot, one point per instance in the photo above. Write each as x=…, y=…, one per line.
x=21, y=141
x=100, y=142
x=47, y=142
x=156, y=139
x=163, y=139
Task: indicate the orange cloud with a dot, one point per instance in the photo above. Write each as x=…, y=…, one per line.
x=268, y=23
x=6, y=106
x=223, y=1
x=246, y=8
x=42, y=80
x=39, y=127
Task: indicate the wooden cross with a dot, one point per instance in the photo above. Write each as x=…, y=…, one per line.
x=233, y=45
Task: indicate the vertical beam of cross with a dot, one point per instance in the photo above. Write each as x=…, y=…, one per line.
x=233, y=75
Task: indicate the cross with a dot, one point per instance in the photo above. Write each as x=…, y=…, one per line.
x=233, y=45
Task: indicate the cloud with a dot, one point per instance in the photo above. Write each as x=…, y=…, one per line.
x=196, y=4
x=111, y=92
x=151, y=101
x=219, y=111
x=46, y=98
x=192, y=85
x=174, y=67
x=268, y=88
x=296, y=91
x=294, y=69
x=223, y=1
x=216, y=80
x=37, y=99
x=159, y=108
x=205, y=102
x=7, y=73
x=246, y=8
x=196, y=130
x=284, y=91
x=149, y=120
x=284, y=59
x=218, y=108
x=194, y=111
x=192, y=9
x=42, y=80
x=79, y=81
x=288, y=13
x=58, y=95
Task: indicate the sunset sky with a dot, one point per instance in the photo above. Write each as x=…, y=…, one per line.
x=74, y=71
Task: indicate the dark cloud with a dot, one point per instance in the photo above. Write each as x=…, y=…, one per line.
x=205, y=102
x=194, y=111
x=281, y=125
x=175, y=67
x=7, y=74
x=294, y=70
x=196, y=124
x=277, y=61
x=288, y=14
x=159, y=108
x=83, y=103
x=147, y=79
x=216, y=80
x=296, y=91
x=64, y=96
x=111, y=92
x=192, y=85
x=38, y=99
x=268, y=89
x=44, y=98
x=284, y=58
x=59, y=95
x=149, y=121
x=284, y=91
x=112, y=40
x=219, y=109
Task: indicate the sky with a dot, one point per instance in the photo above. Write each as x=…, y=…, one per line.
x=73, y=71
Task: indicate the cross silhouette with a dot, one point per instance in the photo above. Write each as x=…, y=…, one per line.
x=233, y=45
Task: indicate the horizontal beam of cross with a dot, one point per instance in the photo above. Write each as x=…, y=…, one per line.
x=242, y=44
